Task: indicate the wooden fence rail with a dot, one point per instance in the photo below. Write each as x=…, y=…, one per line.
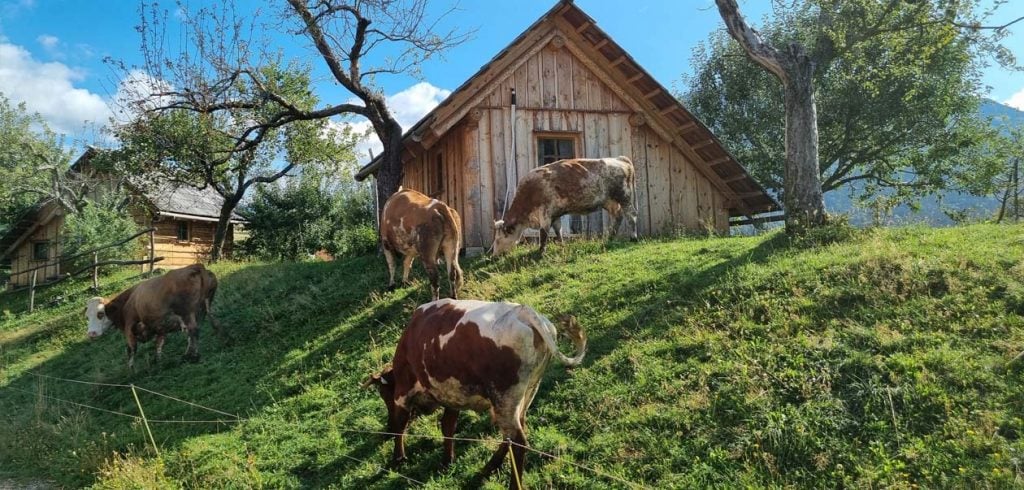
x=60, y=260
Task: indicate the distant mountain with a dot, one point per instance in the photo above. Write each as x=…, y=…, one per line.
x=931, y=208
x=1002, y=114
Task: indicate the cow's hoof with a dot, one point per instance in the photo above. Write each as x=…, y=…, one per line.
x=193, y=358
x=390, y=288
x=634, y=239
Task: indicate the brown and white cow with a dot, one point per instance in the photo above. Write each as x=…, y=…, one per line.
x=413, y=224
x=577, y=186
x=175, y=301
x=472, y=355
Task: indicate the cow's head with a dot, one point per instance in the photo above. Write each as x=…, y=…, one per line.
x=385, y=383
x=506, y=235
x=98, y=315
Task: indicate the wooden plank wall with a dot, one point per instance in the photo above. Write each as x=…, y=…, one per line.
x=21, y=259
x=178, y=253
x=557, y=93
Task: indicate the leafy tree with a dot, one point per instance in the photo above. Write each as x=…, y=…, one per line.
x=99, y=222
x=33, y=164
x=357, y=41
x=882, y=93
x=187, y=147
x=305, y=214
x=997, y=171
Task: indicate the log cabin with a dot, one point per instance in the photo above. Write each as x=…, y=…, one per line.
x=184, y=218
x=565, y=89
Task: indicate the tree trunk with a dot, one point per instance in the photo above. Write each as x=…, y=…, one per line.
x=805, y=205
x=223, y=221
x=390, y=172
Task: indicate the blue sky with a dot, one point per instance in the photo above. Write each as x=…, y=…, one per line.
x=52, y=51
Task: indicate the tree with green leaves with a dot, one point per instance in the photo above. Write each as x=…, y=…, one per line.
x=33, y=163
x=181, y=146
x=312, y=212
x=358, y=42
x=880, y=93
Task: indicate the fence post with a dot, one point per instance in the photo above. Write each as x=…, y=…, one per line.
x=151, y=245
x=95, y=272
x=32, y=292
x=145, y=422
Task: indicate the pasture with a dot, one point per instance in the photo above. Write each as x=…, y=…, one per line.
x=878, y=360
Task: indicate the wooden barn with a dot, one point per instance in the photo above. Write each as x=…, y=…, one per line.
x=184, y=218
x=564, y=89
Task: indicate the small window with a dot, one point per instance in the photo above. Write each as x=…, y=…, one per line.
x=183, y=231
x=41, y=251
x=554, y=149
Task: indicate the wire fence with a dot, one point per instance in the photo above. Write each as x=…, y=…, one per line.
x=234, y=418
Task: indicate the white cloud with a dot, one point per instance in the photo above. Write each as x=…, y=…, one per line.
x=408, y=107
x=1016, y=100
x=136, y=93
x=49, y=89
x=48, y=41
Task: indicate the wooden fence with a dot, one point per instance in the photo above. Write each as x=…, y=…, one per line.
x=94, y=267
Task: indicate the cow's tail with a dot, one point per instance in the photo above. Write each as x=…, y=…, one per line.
x=548, y=333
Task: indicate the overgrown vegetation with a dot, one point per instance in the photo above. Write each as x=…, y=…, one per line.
x=100, y=222
x=880, y=360
x=307, y=214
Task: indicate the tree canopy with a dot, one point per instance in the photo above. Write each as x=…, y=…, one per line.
x=32, y=162
x=176, y=144
x=897, y=90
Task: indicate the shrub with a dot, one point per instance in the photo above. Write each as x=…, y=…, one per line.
x=293, y=220
x=99, y=223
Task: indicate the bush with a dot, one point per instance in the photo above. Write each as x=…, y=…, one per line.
x=99, y=223
x=295, y=219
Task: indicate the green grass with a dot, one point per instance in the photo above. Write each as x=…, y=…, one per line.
x=880, y=361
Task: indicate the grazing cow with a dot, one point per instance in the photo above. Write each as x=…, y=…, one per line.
x=577, y=186
x=174, y=301
x=413, y=224
x=472, y=355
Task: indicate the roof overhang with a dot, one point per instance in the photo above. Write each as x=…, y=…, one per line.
x=196, y=217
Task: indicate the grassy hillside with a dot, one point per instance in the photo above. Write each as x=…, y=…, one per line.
x=877, y=361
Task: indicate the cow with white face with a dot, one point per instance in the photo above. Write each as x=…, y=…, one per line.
x=175, y=301
x=95, y=312
x=575, y=187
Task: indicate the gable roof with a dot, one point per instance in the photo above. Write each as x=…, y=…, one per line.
x=662, y=111
x=174, y=199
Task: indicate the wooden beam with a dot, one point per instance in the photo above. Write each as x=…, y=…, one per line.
x=686, y=128
x=600, y=44
x=618, y=61
x=668, y=110
x=703, y=144
x=583, y=26
x=734, y=178
x=748, y=195
x=652, y=93
x=758, y=220
x=639, y=74
x=719, y=161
